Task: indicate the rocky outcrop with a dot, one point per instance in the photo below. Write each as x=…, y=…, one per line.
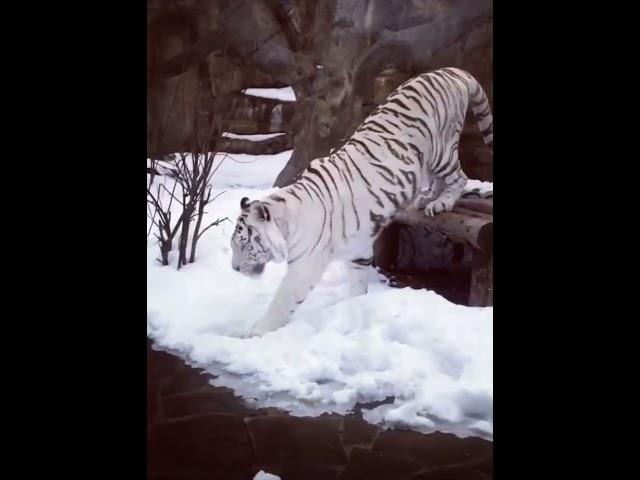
x=332, y=52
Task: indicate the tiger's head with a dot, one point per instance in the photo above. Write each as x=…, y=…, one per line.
x=256, y=239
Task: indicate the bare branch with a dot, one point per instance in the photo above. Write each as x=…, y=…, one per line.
x=213, y=224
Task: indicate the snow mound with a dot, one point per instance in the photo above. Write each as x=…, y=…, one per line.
x=285, y=94
x=262, y=475
x=256, y=137
x=430, y=359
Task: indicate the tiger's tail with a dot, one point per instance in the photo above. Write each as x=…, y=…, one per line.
x=479, y=103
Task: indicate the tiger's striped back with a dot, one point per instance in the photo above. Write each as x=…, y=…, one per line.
x=404, y=155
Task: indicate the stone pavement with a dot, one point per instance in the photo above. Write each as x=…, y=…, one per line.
x=197, y=431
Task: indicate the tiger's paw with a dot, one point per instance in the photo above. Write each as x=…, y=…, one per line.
x=438, y=206
x=259, y=330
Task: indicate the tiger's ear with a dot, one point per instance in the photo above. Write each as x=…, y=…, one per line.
x=263, y=213
x=244, y=203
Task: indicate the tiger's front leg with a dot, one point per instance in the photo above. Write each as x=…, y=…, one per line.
x=358, y=273
x=298, y=282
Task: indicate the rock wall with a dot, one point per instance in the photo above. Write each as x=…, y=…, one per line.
x=200, y=51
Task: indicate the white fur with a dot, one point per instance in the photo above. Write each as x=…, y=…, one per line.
x=340, y=203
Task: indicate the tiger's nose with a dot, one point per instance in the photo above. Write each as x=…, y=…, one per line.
x=236, y=268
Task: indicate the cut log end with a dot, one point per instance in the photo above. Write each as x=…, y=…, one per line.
x=471, y=222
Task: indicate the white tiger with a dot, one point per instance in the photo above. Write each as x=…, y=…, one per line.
x=404, y=155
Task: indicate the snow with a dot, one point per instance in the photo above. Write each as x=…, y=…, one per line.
x=231, y=170
x=253, y=137
x=285, y=94
x=482, y=187
x=234, y=169
x=262, y=475
x=431, y=358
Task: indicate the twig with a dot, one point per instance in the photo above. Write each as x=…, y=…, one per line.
x=213, y=224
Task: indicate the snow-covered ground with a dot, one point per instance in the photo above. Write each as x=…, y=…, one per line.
x=262, y=475
x=285, y=94
x=481, y=187
x=433, y=357
x=253, y=137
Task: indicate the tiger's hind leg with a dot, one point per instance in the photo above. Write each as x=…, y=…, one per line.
x=455, y=183
x=453, y=179
x=428, y=194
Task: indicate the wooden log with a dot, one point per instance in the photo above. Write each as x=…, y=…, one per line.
x=386, y=247
x=481, y=292
x=471, y=222
x=477, y=204
x=460, y=224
